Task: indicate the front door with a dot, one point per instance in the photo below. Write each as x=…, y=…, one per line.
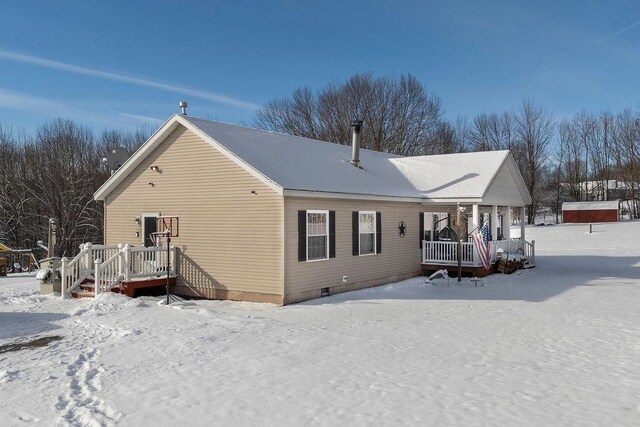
x=149, y=227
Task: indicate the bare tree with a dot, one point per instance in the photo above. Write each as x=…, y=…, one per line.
x=626, y=152
x=53, y=174
x=399, y=115
x=534, y=127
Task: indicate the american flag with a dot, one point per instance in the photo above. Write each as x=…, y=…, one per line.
x=486, y=234
x=481, y=241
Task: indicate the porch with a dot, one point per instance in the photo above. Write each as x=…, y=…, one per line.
x=438, y=255
x=116, y=268
x=444, y=223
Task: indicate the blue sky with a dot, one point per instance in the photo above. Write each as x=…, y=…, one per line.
x=119, y=64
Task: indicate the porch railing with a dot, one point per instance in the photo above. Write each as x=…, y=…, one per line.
x=107, y=274
x=446, y=253
x=76, y=270
x=518, y=246
x=121, y=263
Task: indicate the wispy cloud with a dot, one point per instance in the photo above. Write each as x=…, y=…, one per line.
x=137, y=81
x=577, y=51
x=143, y=119
x=46, y=107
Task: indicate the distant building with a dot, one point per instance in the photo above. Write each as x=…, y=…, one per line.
x=611, y=189
x=595, y=211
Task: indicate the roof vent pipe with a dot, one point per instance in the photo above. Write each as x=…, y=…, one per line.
x=183, y=107
x=356, y=127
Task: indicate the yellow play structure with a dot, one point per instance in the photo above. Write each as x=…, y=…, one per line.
x=16, y=260
x=4, y=252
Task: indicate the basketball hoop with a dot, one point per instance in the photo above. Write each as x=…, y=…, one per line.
x=168, y=224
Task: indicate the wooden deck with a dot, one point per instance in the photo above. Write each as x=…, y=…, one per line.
x=129, y=288
x=87, y=289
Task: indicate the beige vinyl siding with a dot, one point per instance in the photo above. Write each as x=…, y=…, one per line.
x=504, y=189
x=230, y=238
x=400, y=257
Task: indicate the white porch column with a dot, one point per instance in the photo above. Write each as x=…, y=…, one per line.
x=475, y=217
x=494, y=223
x=523, y=212
x=507, y=223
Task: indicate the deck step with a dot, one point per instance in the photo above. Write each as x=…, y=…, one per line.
x=88, y=280
x=83, y=294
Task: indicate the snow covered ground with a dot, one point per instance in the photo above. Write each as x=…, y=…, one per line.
x=554, y=345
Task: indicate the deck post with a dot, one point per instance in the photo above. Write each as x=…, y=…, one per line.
x=523, y=213
x=120, y=260
x=459, y=248
x=88, y=261
x=173, y=261
x=96, y=275
x=127, y=262
x=63, y=271
x=533, y=251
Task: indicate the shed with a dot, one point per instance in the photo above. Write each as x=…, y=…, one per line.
x=595, y=211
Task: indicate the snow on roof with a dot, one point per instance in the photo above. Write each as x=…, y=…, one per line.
x=461, y=175
x=297, y=163
x=590, y=206
x=292, y=164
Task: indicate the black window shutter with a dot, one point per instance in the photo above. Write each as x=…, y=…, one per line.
x=421, y=228
x=302, y=235
x=378, y=232
x=332, y=234
x=355, y=230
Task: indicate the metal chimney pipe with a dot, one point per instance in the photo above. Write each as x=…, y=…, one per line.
x=356, y=127
x=183, y=107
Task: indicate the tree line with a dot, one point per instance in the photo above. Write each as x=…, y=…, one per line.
x=570, y=159
x=54, y=171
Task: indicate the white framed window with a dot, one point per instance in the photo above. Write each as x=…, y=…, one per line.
x=367, y=232
x=317, y=235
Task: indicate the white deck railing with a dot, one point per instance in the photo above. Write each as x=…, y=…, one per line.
x=446, y=253
x=75, y=271
x=107, y=274
x=122, y=263
x=518, y=246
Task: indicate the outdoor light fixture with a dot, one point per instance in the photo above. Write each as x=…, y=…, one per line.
x=137, y=220
x=151, y=184
x=155, y=168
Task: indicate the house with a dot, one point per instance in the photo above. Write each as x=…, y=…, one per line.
x=597, y=211
x=277, y=218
